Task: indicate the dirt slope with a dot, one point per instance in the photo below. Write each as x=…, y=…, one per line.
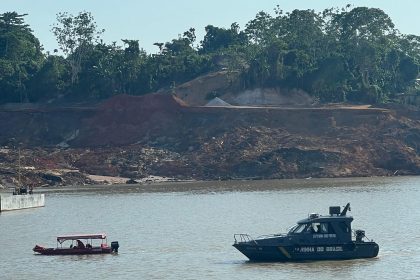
x=159, y=135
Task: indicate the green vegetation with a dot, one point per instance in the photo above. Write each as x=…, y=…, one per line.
x=337, y=55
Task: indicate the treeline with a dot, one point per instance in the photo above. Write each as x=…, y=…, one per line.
x=348, y=54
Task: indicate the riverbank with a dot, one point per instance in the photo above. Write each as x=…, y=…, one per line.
x=134, y=138
x=222, y=186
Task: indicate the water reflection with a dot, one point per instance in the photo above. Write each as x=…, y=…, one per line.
x=325, y=266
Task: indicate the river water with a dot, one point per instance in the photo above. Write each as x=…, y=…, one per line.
x=185, y=230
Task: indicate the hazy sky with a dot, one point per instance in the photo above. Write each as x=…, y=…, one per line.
x=162, y=20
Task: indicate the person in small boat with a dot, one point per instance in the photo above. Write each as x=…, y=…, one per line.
x=79, y=245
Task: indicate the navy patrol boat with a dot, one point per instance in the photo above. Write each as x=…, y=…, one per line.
x=314, y=238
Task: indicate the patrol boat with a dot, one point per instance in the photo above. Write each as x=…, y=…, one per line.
x=314, y=238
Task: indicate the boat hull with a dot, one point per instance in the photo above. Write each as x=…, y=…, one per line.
x=72, y=251
x=354, y=250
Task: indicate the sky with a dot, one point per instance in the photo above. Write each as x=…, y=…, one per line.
x=151, y=21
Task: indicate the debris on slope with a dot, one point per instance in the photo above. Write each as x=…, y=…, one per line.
x=157, y=135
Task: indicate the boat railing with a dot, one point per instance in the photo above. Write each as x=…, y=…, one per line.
x=360, y=236
x=270, y=236
x=243, y=238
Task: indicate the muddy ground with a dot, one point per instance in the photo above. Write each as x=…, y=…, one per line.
x=159, y=135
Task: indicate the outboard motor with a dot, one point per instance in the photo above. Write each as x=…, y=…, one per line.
x=115, y=246
x=359, y=235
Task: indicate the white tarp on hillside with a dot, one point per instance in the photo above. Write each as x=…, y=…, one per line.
x=273, y=97
x=217, y=102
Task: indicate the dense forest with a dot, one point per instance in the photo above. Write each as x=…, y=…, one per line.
x=340, y=54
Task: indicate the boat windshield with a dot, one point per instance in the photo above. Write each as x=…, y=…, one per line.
x=297, y=228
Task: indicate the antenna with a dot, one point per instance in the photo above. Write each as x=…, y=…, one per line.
x=346, y=208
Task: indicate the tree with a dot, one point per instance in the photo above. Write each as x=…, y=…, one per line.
x=260, y=30
x=51, y=80
x=365, y=37
x=11, y=23
x=291, y=46
x=343, y=54
x=218, y=38
x=177, y=62
x=20, y=57
x=100, y=75
x=75, y=35
x=190, y=36
x=130, y=69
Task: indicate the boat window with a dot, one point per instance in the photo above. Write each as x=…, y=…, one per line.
x=315, y=227
x=326, y=228
x=299, y=228
x=292, y=229
x=344, y=227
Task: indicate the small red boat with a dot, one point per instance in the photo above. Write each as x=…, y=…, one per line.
x=81, y=244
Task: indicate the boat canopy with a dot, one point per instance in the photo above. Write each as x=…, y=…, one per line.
x=63, y=238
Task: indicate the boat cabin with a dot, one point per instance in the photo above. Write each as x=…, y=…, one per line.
x=76, y=242
x=335, y=228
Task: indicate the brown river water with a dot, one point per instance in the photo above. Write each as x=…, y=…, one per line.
x=185, y=230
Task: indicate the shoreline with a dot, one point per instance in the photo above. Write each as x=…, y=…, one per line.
x=219, y=186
